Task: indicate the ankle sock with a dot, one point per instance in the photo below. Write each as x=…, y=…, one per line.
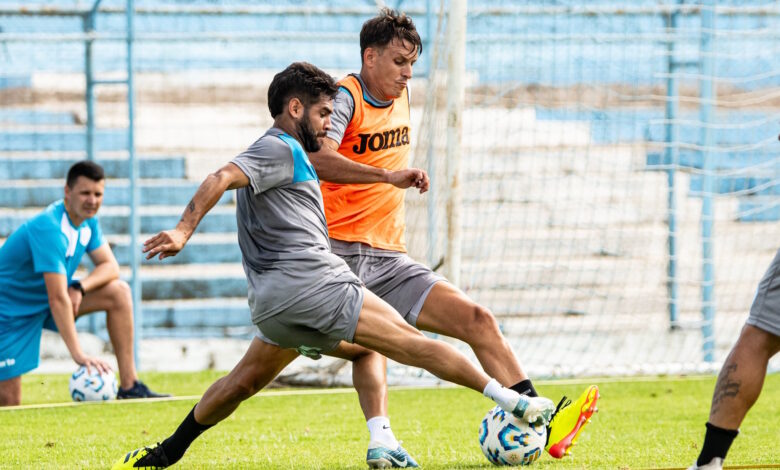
x=188, y=431
x=505, y=398
x=716, y=443
x=525, y=387
x=379, y=430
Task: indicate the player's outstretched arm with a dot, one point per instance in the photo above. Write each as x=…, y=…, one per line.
x=171, y=242
x=336, y=168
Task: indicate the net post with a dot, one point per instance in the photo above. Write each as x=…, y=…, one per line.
x=456, y=69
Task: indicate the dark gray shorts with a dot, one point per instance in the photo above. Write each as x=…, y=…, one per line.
x=318, y=322
x=765, y=312
x=399, y=280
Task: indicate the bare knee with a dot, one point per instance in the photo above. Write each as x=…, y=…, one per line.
x=368, y=363
x=244, y=382
x=239, y=389
x=478, y=325
x=367, y=356
x=120, y=293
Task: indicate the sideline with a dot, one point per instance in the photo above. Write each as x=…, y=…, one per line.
x=725, y=467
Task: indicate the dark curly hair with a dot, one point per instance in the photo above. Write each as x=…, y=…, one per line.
x=300, y=80
x=87, y=169
x=388, y=25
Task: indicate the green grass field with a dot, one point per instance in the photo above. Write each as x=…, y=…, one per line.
x=642, y=423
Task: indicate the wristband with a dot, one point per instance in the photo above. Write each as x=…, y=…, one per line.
x=77, y=285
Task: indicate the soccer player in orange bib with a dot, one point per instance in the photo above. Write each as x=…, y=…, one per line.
x=364, y=168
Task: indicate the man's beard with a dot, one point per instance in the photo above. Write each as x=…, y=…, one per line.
x=309, y=138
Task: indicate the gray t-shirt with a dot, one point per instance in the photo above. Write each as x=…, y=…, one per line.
x=282, y=231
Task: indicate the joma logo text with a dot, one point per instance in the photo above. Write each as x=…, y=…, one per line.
x=382, y=140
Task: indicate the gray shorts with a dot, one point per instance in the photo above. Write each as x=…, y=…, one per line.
x=318, y=322
x=399, y=280
x=765, y=312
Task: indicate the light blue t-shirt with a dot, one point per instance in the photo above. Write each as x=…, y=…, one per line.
x=47, y=243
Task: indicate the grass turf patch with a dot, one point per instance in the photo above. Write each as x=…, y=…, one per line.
x=641, y=424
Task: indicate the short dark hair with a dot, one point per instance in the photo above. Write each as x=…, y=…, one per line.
x=86, y=168
x=388, y=25
x=300, y=80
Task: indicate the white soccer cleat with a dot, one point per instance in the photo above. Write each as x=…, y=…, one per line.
x=380, y=456
x=534, y=410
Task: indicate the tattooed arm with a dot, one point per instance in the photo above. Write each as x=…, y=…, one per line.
x=170, y=242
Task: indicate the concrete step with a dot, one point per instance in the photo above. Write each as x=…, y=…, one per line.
x=760, y=184
x=761, y=208
x=32, y=116
x=593, y=188
x=606, y=126
x=195, y=281
x=719, y=160
x=26, y=193
x=544, y=162
x=47, y=167
x=202, y=248
x=605, y=304
x=731, y=129
x=201, y=313
x=15, y=81
x=598, y=278
x=632, y=124
x=116, y=219
x=42, y=139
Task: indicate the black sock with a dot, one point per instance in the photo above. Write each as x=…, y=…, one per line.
x=716, y=444
x=188, y=431
x=525, y=388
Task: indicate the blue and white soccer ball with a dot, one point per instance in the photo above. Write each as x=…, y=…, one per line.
x=506, y=440
x=92, y=386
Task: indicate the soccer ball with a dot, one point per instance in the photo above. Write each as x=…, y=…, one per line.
x=92, y=386
x=506, y=440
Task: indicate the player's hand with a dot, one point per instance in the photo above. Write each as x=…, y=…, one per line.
x=165, y=244
x=75, y=299
x=410, y=177
x=92, y=363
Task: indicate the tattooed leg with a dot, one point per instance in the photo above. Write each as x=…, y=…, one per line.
x=726, y=387
x=742, y=377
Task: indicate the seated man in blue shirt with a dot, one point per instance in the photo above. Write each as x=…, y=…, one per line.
x=37, y=290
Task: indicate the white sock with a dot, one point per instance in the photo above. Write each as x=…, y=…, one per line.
x=379, y=429
x=504, y=397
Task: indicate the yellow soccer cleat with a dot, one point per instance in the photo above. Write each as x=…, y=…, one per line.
x=568, y=421
x=150, y=458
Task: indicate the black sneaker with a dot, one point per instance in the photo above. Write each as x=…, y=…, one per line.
x=138, y=390
x=145, y=457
